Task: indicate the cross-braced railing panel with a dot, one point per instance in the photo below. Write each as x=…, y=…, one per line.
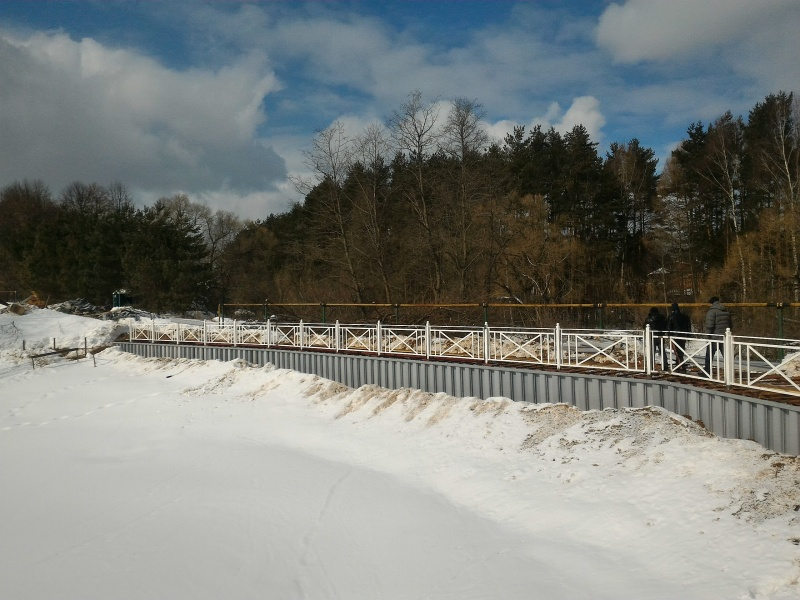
x=286, y=335
x=457, y=343
x=219, y=334
x=251, y=334
x=690, y=355
x=319, y=336
x=140, y=332
x=403, y=340
x=618, y=350
x=167, y=333
x=191, y=334
x=537, y=347
x=761, y=363
x=358, y=338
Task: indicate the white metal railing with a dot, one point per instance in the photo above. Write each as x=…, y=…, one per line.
x=617, y=350
x=760, y=363
x=456, y=342
x=764, y=363
x=535, y=346
x=406, y=340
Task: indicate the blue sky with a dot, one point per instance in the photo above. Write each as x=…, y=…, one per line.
x=219, y=99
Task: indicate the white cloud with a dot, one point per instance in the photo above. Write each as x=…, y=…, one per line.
x=638, y=30
x=77, y=110
x=372, y=63
x=584, y=110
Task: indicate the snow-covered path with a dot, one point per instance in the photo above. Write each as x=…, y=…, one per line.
x=184, y=479
x=119, y=497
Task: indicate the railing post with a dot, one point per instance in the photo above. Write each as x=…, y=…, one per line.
x=427, y=339
x=648, y=350
x=153, y=330
x=177, y=333
x=300, y=333
x=728, y=357
x=486, y=342
x=559, y=347
x=485, y=312
x=337, y=333
x=779, y=306
x=379, y=336
x=234, y=333
x=205, y=332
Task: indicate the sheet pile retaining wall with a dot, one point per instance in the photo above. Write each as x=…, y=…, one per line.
x=774, y=425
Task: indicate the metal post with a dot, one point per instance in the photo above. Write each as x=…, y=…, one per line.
x=379, y=336
x=269, y=331
x=485, y=312
x=648, y=350
x=559, y=345
x=234, y=332
x=323, y=305
x=486, y=343
x=427, y=339
x=205, y=332
x=266, y=318
x=337, y=333
x=300, y=333
x=728, y=358
x=397, y=314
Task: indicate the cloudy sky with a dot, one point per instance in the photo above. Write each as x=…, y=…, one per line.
x=218, y=99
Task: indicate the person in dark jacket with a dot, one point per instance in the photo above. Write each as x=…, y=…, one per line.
x=658, y=325
x=718, y=321
x=679, y=323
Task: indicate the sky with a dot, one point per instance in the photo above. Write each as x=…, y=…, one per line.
x=126, y=477
x=220, y=99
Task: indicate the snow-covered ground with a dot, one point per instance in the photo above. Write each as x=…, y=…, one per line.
x=123, y=477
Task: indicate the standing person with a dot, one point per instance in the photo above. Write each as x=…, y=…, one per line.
x=658, y=324
x=679, y=323
x=718, y=320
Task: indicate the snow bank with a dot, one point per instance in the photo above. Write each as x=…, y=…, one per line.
x=38, y=327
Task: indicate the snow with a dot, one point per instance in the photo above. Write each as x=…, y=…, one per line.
x=125, y=477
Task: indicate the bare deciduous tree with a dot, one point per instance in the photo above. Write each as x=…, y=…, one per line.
x=413, y=129
x=331, y=160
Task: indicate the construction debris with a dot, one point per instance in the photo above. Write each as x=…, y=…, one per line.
x=78, y=307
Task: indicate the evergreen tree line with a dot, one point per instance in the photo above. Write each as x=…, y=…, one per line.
x=91, y=241
x=423, y=208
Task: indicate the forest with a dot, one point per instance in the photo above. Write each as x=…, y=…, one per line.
x=424, y=209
